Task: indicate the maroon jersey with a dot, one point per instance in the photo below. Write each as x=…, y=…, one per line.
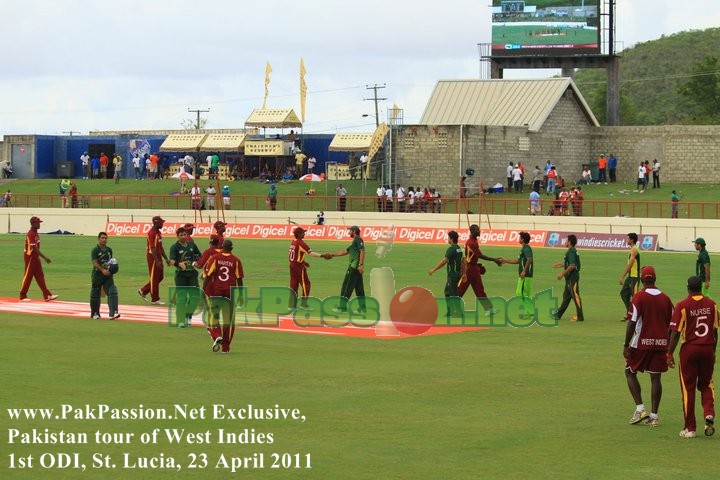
x=154, y=240
x=224, y=271
x=32, y=243
x=298, y=250
x=472, y=250
x=651, y=311
x=207, y=254
x=696, y=318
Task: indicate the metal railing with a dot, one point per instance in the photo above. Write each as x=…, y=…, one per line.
x=493, y=204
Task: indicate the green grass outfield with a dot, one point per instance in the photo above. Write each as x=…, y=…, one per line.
x=498, y=403
x=519, y=34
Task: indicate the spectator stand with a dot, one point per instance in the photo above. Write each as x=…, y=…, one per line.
x=271, y=154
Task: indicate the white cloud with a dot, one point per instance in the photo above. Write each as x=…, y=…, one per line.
x=85, y=65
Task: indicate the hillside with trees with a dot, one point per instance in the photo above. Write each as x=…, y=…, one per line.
x=669, y=81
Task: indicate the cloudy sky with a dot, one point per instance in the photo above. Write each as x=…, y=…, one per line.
x=82, y=65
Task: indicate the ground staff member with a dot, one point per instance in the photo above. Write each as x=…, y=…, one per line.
x=101, y=277
x=695, y=320
x=184, y=256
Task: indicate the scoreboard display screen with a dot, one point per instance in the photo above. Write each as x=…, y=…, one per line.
x=545, y=28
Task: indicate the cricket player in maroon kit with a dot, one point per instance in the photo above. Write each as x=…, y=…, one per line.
x=154, y=254
x=224, y=271
x=472, y=271
x=33, y=267
x=189, y=229
x=298, y=269
x=695, y=323
x=646, y=344
x=220, y=231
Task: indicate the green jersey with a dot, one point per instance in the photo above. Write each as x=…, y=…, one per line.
x=102, y=256
x=702, y=260
x=525, y=255
x=454, y=255
x=572, y=258
x=186, y=254
x=354, y=251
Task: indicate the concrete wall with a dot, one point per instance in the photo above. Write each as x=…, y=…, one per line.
x=431, y=155
x=687, y=153
x=673, y=234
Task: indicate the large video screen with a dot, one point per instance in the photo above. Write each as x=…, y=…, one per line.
x=545, y=27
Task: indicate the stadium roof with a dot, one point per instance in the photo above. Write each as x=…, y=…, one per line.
x=351, y=142
x=506, y=103
x=273, y=118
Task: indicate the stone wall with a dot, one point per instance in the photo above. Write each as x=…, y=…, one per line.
x=687, y=153
x=431, y=155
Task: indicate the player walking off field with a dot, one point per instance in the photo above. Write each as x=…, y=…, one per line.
x=702, y=265
x=298, y=269
x=571, y=274
x=453, y=259
x=646, y=345
x=184, y=256
x=101, y=278
x=695, y=324
x=631, y=283
x=353, y=280
x=525, y=275
x=472, y=271
x=224, y=271
x=154, y=254
x=33, y=267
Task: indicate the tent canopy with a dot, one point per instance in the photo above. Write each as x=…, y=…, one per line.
x=182, y=142
x=351, y=142
x=223, y=142
x=273, y=118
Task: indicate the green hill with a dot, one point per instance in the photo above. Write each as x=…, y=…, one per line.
x=651, y=74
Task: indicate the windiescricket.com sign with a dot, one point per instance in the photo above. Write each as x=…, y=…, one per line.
x=373, y=233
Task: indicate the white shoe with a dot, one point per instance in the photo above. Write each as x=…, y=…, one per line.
x=216, y=344
x=158, y=302
x=115, y=317
x=26, y=299
x=51, y=298
x=492, y=312
x=95, y=316
x=685, y=433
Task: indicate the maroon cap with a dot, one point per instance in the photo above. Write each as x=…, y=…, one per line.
x=35, y=219
x=214, y=239
x=158, y=219
x=647, y=272
x=189, y=225
x=218, y=223
x=298, y=230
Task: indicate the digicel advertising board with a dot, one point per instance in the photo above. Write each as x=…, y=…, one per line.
x=328, y=232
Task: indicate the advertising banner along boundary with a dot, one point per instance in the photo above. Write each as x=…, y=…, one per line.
x=398, y=234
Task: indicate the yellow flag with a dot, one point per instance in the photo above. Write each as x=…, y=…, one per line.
x=268, y=70
x=303, y=89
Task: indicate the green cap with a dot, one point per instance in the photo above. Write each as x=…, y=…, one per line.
x=700, y=240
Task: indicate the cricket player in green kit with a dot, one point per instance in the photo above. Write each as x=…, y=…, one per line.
x=184, y=256
x=354, y=275
x=525, y=275
x=102, y=278
x=453, y=259
x=571, y=274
